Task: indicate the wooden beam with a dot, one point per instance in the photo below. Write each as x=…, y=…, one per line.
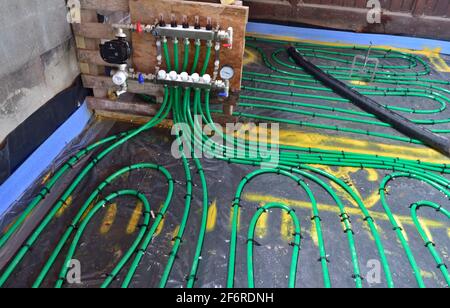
x=105, y=5
x=104, y=82
x=94, y=30
x=91, y=57
x=134, y=108
x=351, y=18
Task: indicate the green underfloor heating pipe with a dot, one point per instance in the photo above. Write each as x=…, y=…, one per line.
x=298, y=160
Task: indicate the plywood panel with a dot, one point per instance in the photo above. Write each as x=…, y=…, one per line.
x=147, y=11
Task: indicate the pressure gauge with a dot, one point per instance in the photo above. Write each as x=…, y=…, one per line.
x=227, y=72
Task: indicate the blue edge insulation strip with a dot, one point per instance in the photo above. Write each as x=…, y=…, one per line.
x=38, y=162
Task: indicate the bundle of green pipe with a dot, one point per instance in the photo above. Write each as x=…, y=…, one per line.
x=296, y=163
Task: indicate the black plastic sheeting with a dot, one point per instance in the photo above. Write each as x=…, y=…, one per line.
x=29, y=135
x=100, y=250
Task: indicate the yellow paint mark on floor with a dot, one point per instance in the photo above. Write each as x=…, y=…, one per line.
x=287, y=227
x=337, y=143
x=314, y=235
x=345, y=173
x=175, y=233
x=238, y=218
x=90, y=207
x=250, y=56
x=161, y=224
x=135, y=217
x=46, y=178
x=64, y=207
x=108, y=220
x=261, y=226
x=359, y=83
x=212, y=216
x=308, y=139
x=406, y=220
x=433, y=54
x=427, y=275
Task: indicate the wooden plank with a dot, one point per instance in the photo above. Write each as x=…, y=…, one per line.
x=105, y=5
x=105, y=82
x=441, y=8
x=135, y=108
x=90, y=43
x=353, y=19
x=94, y=30
x=147, y=11
x=419, y=7
x=90, y=56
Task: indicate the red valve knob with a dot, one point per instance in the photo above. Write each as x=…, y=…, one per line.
x=227, y=45
x=139, y=28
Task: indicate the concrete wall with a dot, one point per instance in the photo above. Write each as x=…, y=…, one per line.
x=37, y=57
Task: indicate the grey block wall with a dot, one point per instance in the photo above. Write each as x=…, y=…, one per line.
x=37, y=57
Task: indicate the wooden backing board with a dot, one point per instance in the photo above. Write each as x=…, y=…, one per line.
x=144, y=45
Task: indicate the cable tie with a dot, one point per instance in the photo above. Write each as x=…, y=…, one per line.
x=27, y=246
x=177, y=238
x=106, y=201
x=316, y=216
x=442, y=265
x=293, y=244
x=397, y=228
x=356, y=276
x=290, y=211
x=261, y=208
x=46, y=189
x=73, y=226
x=95, y=161
x=160, y=214
x=427, y=244
x=188, y=196
x=323, y=258
x=194, y=277
x=367, y=218
x=173, y=254
x=40, y=194
x=349, y=230
x=143, y=225
x=382, y=189
x=253, y=241
x=69, y=164
x=64, y=202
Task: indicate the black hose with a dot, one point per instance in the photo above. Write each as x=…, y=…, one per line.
x=397, y=121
